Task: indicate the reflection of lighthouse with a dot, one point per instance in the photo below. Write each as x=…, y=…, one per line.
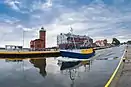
x=39, y=44
x=41, y=64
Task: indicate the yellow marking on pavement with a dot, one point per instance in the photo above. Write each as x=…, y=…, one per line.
x=116, y=70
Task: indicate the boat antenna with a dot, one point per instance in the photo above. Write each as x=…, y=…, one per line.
x=71, y=30
x=72, y=36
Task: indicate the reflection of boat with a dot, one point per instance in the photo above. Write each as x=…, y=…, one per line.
x=83, y=52
x=71, y=69
x=73, y=65
x=41, y=64
x=66, y=65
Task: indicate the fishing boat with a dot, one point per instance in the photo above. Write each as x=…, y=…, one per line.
x=78, y=53
x=84, y=52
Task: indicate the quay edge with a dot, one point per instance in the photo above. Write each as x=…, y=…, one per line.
x=30, y=54
x=113, y=80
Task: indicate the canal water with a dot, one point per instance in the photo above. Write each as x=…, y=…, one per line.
x=52, y=72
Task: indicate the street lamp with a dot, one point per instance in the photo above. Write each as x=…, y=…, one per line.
x=23, y=38
x=24, y=30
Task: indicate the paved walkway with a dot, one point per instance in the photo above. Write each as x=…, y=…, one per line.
x=125, y=77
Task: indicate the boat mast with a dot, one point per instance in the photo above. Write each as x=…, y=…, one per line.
x=73, y=37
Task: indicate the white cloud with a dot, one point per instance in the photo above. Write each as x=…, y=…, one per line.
x=13, y=4
x=36, y=16
x=19, y=26
x=13, y=34
x=93, y=21
x=48, y=4
x=96, y=20
x=39, y=5
x=26, y=7
x=8, y=19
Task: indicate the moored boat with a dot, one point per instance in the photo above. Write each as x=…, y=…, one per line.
x=83, y=52
x=78, y=53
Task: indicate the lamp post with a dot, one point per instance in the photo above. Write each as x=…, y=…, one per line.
x=24, y=30
x=23, y=38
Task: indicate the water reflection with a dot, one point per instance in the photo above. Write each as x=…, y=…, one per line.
x=41, y=64
x=73, y=64
x=37, y=62
x=13, y=60
x=72, y=68
x=28, y=72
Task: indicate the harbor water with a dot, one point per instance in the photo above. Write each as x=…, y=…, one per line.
x=49, y=72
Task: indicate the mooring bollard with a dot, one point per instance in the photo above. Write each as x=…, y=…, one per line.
x=124, y=59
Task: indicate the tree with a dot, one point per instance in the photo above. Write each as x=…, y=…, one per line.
x=105, y=42
x=128, y=42
x=115, y=42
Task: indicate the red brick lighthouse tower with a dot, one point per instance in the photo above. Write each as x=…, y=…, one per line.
x=39, y=44
x=42, y=37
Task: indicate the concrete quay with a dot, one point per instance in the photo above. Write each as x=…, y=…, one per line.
x=122, y=74
x=31, y=54
x=125, y=76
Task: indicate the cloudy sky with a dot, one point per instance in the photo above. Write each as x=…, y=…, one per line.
x=99, y=19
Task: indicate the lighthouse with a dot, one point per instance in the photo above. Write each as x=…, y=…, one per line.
x=42, y=36
x=40, y=43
